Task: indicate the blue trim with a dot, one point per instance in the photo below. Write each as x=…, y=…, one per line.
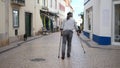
x=102, y=40
x=86, y=34
x=86, y=2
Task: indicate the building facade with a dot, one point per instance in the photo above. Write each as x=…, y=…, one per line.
x=19, y=17
x=4, y=30
x=102, y=21
x=30, y=17
x=64, y=8
x=68, y=7
x=61, y=11
x=50, y=14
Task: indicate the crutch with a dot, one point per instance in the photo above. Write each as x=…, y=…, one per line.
x=59, y=46
x=82, y=46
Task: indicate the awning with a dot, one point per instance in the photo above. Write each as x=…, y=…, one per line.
x=48, y=13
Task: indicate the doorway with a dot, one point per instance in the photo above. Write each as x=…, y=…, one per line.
x=89, y=13
x=28, y=23
x=116, y=21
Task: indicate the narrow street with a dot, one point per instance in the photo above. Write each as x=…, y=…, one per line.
x=43, y=53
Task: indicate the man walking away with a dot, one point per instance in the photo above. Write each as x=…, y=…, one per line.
x=67, y=27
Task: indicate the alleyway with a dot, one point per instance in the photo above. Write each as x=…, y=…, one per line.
x=43, y=53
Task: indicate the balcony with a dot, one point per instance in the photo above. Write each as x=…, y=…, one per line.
x=18, y=2
x=45, y=8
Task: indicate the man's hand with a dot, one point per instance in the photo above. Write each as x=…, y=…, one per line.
x=61, y=32
x=78, y=33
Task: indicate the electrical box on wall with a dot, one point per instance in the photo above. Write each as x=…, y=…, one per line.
x=16, y=32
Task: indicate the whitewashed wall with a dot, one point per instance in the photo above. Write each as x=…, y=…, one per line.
x=101, y=17
x=53, y=8
x=105, y=17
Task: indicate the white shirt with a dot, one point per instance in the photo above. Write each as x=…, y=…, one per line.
x=69, y=24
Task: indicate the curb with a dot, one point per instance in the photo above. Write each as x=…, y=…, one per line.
x=17, y=44
x=92, y=44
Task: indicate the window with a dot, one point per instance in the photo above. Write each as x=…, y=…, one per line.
x=15, y=18
x=55, y=4
x=88, y=19
x=117, y=23
x=61, y=7
x=43, y=2
x=51, y=4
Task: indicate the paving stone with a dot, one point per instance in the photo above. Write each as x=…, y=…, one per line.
x=47, y=48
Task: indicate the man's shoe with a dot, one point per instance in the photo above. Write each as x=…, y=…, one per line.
x=68, y=55
x=62, y=58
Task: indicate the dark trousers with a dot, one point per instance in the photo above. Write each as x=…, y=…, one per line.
x=67, y=38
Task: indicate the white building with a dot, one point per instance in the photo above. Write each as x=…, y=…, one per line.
x=68, y=7
x=51, y=13
x=53, y=7
x=61, y=11
x=102, y=21
x=64, y=8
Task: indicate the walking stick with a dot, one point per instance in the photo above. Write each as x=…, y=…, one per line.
x=82, y=47
x=59, y=46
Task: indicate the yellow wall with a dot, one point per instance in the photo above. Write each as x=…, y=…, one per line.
x=31, y=6
x=2, y=17
x=36, y=21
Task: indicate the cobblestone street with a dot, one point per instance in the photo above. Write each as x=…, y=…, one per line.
x=43, y=53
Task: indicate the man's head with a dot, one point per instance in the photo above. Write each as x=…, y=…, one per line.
x=70, y=14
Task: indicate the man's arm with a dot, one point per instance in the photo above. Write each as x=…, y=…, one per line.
x=77, y=29
x=61, y=28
